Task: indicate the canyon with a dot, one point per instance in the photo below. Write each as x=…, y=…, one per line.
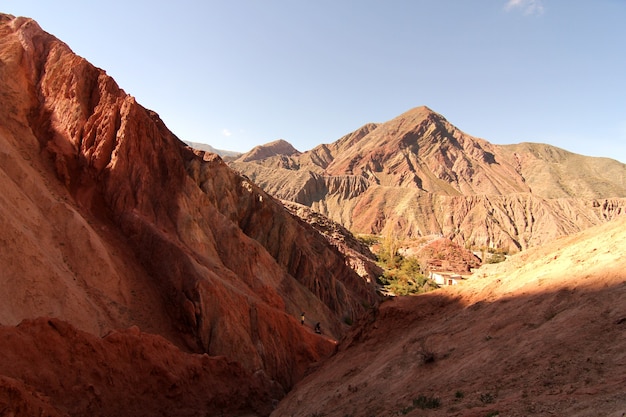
x=142, y=276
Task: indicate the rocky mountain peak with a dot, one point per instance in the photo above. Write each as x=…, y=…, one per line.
x=278, y=147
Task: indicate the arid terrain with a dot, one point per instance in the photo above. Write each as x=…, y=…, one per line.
x=541, y=334
x=143, y=277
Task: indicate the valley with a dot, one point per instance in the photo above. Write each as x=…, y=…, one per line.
x=142, y=276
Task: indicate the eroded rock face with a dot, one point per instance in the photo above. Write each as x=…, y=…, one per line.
x=419, y=175
x=110, y=221
x=359, y=255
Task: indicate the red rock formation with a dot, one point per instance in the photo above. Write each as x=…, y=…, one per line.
x=141, y=230
x=442, y=254
x=358, y=255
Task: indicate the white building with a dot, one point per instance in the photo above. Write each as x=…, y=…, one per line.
x=445, y=278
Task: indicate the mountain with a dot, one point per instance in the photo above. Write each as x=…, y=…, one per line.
x=109, y=222
x=419, y=175
x=540, y=334
x=277, y=148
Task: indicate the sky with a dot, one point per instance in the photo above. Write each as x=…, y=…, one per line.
x=239, y=73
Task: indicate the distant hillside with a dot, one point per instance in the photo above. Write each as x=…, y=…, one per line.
x=420, y=175
x=552, y=172
x=208, y=148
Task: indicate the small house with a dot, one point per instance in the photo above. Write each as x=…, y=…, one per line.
x=445, y=278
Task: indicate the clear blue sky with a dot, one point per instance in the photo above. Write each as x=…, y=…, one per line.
x=239, y=73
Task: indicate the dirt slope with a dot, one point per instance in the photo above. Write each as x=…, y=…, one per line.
x=51, y=368
x=543, y=333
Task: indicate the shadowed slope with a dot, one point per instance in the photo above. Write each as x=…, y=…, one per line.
x=59, y=369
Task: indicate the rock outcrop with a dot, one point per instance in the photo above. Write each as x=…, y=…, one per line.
x=108, y=220
x=441, y=254
x=419, y=175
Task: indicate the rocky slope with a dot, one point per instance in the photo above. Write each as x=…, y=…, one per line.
x=358, y=255
x=50, y=368
x=108, y=221
x=542, y=333
x=419, y=175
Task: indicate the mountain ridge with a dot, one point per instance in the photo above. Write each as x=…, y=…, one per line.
x=405, y=173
